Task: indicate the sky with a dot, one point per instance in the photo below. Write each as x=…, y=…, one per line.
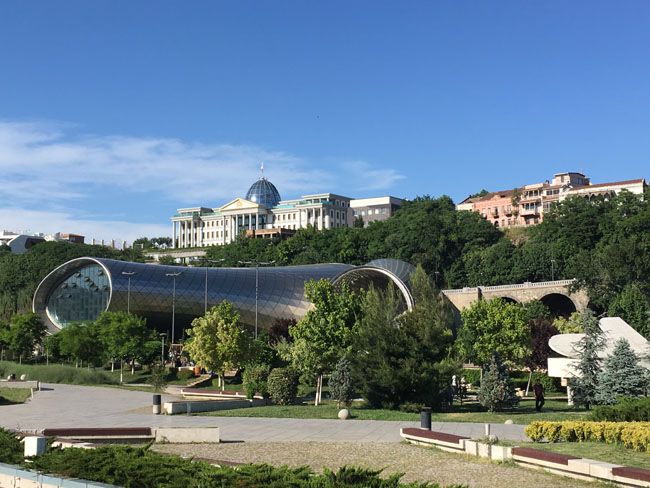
x=113, y=114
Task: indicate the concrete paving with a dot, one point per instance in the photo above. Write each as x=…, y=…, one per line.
x=89, y=406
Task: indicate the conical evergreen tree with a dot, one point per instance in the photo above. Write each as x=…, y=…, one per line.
x=584, y=385
x=622, y=375
x=495, y=392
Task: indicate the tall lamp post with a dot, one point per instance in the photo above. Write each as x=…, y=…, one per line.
x=162, y=349
x=173, y=275
x=257, y=283
x=128, y=290
x=204, y=261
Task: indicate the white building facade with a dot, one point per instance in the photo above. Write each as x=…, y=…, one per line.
x=262, y=210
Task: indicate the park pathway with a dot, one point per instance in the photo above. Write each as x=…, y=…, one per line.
x=94, y=406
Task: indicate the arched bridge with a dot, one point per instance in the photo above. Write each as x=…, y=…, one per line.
x=554, y=294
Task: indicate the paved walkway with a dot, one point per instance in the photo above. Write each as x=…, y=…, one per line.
x=89, y=406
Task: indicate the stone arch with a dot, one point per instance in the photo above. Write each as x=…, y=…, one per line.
x=559, y=304
x=508, y=299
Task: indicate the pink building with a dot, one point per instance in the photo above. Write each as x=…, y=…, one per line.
x=527, y=205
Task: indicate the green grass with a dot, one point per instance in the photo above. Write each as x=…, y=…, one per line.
x=57, y=373
x=553, y=410
x=12, y=396
x=599, y=451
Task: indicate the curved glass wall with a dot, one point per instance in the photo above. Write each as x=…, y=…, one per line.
x=263, y=192
x=80, y=297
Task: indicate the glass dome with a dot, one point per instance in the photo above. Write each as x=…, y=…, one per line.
x=264, y=193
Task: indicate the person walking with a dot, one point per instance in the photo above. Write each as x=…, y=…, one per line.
x=538, y=391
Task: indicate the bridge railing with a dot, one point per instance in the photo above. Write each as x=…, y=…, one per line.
x=517, y=286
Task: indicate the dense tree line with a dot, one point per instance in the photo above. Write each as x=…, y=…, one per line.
x=20, y=274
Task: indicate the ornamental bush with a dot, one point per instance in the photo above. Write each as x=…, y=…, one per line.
x=628, y=410
x=255, y=380
x=633, y=435
x=282, y=385
x=495, y=392
x=185, y=374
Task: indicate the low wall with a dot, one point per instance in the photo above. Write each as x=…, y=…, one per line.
x=562, y=464
x=171, y=408
x=27, y=384
x=11, y=475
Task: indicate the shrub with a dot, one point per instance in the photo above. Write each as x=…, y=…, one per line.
x=56, y=373
x=633, y=435
x=282, y=385
x=11, y=450
x=255, y=380
x=185, y=374
x=158, y=378
x=139, y=467
x=519, y=379
x=628, y=410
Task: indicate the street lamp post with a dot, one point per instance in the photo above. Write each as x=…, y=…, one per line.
x=257, y=282
x=162, y=349
x=173, y=275
x=128, y=292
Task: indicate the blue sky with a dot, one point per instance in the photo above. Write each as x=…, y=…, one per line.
x=113, y=114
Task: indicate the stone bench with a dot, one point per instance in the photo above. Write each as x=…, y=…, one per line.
x=446, y=442
x=204, y=392
x=101, y=433
x=27, y=384
x=539, y=455
x=625, y=474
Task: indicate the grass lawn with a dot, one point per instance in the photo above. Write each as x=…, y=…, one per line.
x=12, y=396
x=599, y=451
x=469, y=412
x=143, y=376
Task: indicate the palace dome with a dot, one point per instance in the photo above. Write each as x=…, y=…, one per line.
x=263, y=192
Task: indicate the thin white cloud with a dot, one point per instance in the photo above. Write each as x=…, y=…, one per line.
x=32, y=221
x=51, y=166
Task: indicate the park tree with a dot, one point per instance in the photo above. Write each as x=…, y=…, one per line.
x=541, y=330
x=340, y=383
x=495, y=325
x=633, y=307
x=124, y=337
x=25, y=333
x=572, y=325
x=80, y=342
x=218, y=341
x=622, y=375
x=496, y=392
x=401, y=357
x=326, y=332
x=585, y=384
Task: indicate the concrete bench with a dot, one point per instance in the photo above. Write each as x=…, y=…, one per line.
x=638, y=474
x=102, y=433
x=204, y=392
x=446, y=442
x=27, y=384
x=539, y=455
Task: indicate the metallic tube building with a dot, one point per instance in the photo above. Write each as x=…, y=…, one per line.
x=82, y=288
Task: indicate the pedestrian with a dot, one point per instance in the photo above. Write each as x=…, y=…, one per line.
x=463, y=386
x=538, y=391
x=454, y=386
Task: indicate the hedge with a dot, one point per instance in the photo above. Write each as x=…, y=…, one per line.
x=633, y=435
x=628, y=410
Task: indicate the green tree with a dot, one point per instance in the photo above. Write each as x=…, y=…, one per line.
x=80, y=342
x=218, y=342
x=571, y=326
x=585, y=384
x=340, y=383
x=622, y=376
x=326, y=332
x=495, y=392
x=495, y=325
x=633, y=307
x=26, y=333
x=125, y=337
x=401, y=357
